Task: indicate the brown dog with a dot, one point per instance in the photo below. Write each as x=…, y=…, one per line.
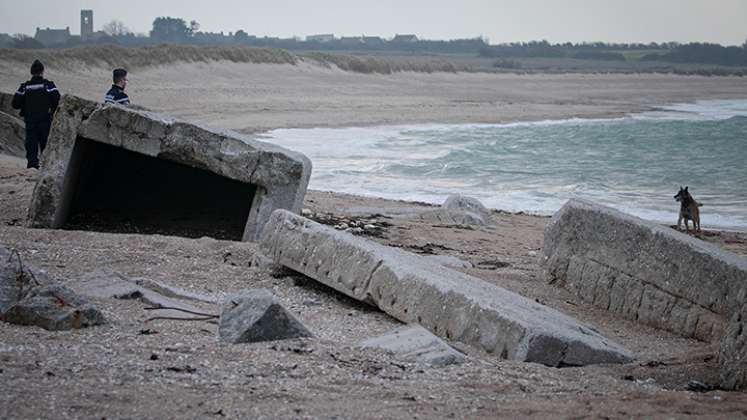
x=689, y=210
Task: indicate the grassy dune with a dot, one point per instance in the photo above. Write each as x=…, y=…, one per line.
x=141, y=57
x=134, y=58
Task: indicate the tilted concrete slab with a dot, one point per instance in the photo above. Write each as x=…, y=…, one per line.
x=279, y=175
x=12, y=136
x=643, y=271
x=105, y=284
x=6, y=106
x=450, y=304
x=12, y=128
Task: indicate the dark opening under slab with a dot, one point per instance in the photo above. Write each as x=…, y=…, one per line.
x=110, y=189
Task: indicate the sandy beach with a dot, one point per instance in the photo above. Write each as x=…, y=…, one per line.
x=180, y=370
x=259, y=97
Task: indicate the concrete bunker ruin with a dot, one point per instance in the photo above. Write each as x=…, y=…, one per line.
x=115, y=169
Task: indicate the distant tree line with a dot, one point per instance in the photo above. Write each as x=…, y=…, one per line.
x=700, y=53
x=703, y=53
x=176, y=30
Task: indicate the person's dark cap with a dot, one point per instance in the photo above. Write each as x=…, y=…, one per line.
x=37, y=67
x=119, y=74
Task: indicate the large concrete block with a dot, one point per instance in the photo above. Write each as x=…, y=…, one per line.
x=643, y=271
x=450, y=304
x=102, y=159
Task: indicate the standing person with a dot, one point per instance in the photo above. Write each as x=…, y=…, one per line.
x=117, y=95
x=37, y=99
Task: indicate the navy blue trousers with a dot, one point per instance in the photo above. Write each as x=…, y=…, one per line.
x=36, y=141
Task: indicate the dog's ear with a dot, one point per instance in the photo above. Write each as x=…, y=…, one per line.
x=686, y=188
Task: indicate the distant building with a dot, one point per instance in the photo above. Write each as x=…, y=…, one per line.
x=373, y=40
x=86, y=25
x=351, y=40
x=320, y=38
x=53, y=37
x=6, y=41
x=405, y=38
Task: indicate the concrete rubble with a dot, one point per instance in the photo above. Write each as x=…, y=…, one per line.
x=53, y=307
x=450, y=304
x=256, y=315
x=413, y=343
x=28, y=297
x=16, y=278
x=85, y=134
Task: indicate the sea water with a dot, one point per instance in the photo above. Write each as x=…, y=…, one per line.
x=635, y=164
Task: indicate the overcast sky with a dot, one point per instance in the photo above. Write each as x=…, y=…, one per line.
x=722, y=21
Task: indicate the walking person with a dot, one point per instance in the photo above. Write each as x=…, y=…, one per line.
x=37, y=99
x=117, y=95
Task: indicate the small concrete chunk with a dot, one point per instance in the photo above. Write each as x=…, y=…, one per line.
x=460, y=210
x=733, y=352
x=643, y=271
x=53, y=307
x=450, y=304
x=414, y=343
x=449, y=261
x=458, y=202
x=256, y=315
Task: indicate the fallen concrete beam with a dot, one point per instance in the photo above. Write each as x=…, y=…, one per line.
x=643, y=271
x=101, y=159
x=450, y=304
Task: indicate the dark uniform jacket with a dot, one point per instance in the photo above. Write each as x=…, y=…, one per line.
x=116, y=95
x=37, y=99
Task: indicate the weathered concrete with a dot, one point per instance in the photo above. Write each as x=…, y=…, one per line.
x=6, y=106
x=413, y=343
x=281, y=176
x=733, y=352
x=446, y=302
x=53, y=307
x=643, y=271
x=256, y=315
x=12, y=135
